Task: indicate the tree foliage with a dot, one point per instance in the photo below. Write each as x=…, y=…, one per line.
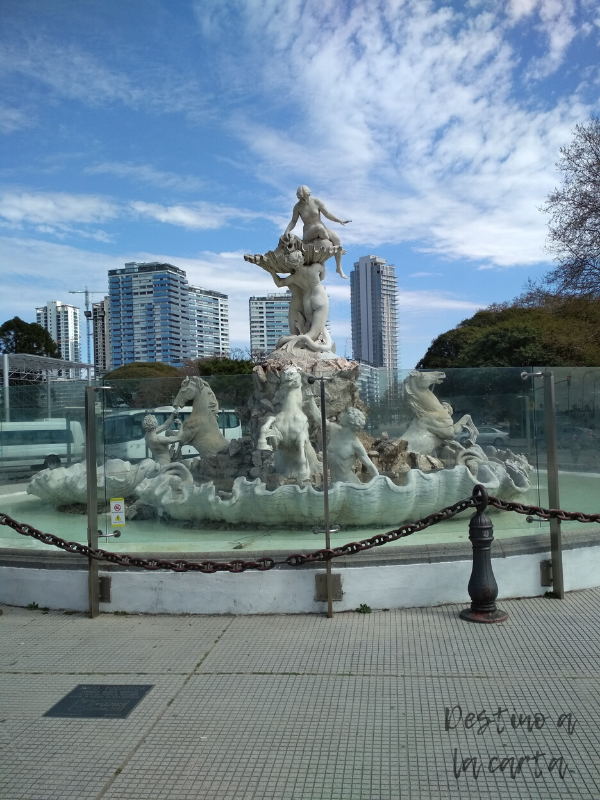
x=223, y=366
x=542, y=330
x=17, y=336
x=143, y=384
x=574, y=209
x=142, y=369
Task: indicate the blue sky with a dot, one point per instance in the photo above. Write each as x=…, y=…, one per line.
x=169, y=129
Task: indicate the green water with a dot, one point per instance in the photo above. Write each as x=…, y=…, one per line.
x=578, y=492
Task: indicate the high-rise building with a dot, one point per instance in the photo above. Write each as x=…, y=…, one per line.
x=61, y=320
x=373, y=298
x=101, y=334
x=149, y=314
x=209, y=314
x=269, y=321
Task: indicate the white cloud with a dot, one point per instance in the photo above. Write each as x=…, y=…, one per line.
x=146, y=173
x=57, y=213
x=426, y=301
x=13, y=119
x=200, y=215
x=58, y=208
x=424, y=274
x=406, y=117
x=72, y=72
x=556, y=22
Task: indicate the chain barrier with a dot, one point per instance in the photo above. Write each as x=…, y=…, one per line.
x=478, y=500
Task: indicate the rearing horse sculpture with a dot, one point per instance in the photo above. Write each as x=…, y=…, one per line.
x=294, y=456
x=432, y=425
x=201, y=428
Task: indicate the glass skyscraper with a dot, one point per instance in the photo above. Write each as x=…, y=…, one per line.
x=269, y=321
x=373, y=302
x=149, y=314
x=209, y=314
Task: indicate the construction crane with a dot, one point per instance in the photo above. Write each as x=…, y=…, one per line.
x=88, y=320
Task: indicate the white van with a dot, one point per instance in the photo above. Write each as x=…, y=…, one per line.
x=46, y=443
x=124, y=435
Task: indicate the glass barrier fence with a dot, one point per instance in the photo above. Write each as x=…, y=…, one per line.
x=227, y=464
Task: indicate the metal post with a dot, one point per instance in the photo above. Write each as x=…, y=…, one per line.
x=483, y=589
x=528, y=425
x=558, y=587
x=326, y=502
x=48, y=396
x=5, y=369
x=552, y=471
x=92, y=498
x=328, y=529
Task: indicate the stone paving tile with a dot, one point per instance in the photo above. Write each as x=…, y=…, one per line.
x=308, y=737
x=106, y=644
x=299, y=707
x=422, y=641
x=56, y=758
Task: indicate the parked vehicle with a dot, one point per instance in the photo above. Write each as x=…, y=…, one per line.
x=566, y=435
x=124, y=435
x=45, y=443
x=487, y=435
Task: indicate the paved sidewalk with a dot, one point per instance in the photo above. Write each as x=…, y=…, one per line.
x=301, y=707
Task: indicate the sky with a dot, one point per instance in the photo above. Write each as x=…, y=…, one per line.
x=179, y=131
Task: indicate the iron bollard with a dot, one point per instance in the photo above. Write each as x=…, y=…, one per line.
x=483, y=589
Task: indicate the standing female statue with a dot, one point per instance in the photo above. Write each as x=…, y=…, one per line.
x=309, y=210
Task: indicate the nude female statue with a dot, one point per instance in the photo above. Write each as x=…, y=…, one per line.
x=309, y=210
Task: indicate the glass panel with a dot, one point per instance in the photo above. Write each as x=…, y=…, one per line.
x=577, y=404
x=47, y=428
x=42, y=438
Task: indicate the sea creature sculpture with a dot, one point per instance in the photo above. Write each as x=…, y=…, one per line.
x=295, y=456
x=432, y=425
x=201, y=428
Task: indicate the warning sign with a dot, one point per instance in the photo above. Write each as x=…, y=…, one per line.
x=117, y=512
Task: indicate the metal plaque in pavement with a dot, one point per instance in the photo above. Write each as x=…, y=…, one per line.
x=100, y=700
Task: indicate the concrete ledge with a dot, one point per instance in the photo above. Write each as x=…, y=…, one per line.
x=433, y=576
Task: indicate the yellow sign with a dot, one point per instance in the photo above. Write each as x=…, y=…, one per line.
x=117, y=512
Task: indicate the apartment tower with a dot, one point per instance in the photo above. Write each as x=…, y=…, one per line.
x=61, y=320
x=269, y=321
x=373, y=302
x=149, y=314
x=209, y=316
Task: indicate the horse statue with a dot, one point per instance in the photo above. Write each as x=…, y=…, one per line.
x=201, y=428
x=432, y=425
x=295, y=456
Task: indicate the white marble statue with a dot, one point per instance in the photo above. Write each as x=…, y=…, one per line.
x=309, y=325
x=343, y=445
x=309, y=306
x=201, y=428
x=309, y=210
x=432, y=425
x=161, y=447
x=295, y=456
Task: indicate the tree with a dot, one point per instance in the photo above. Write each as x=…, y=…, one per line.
x=574, y=209
x=229, y=378
x=143, y=384
x=558, y=331
x=17, y=336
x=142, y=369
x=224, y=366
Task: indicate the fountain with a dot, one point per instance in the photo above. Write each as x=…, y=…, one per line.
x=275, y=474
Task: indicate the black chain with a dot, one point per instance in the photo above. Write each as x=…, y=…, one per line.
x=478, y=500
x=543, y=513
